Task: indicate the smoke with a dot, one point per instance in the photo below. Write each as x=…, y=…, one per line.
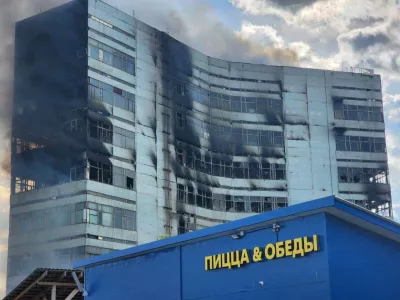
x=191, y=22
x=197, y=24
x=11, y=11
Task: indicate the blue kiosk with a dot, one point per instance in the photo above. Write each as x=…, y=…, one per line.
x=322, y=249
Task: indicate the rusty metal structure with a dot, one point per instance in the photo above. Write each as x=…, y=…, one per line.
x=122, y=134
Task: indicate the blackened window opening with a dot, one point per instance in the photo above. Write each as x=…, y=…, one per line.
x=360, y=144
x=232, y=103
x=100, y=172
x=100, y=131
x=229, y=135
x=363, y=175
x=218, y=167
x=229, y=203
x=358, y=112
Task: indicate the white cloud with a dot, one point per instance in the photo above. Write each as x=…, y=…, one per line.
x=393, y=149
x=394, y=114
x=2, y=284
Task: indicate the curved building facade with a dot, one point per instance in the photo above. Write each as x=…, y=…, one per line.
x=122, y=135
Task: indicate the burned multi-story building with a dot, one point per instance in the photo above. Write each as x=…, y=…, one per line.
x=122, y=134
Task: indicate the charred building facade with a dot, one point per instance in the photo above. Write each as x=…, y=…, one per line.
x=122, y=134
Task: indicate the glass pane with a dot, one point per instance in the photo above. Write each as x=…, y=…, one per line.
x=130, y=143
x=119, y=101
x=93, y=52
x=108, y=97
x=118, y=221
x=236, y=106
x=79, y=216
x=118, y=62
x=107, y=58
x=119, y=140
x=107, y=219
x=130, y=68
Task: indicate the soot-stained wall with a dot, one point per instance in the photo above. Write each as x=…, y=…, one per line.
x=207, y=111
x=49, y=90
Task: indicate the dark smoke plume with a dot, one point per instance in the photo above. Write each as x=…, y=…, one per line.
x=11, y=11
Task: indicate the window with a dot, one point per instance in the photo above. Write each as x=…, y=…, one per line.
x=180, y=156
x=123, y=178
x=362, y=175
x=212, y=164
x=100, y=131
x=105, y=215
x=266, y=171
x=94, y=52
x=360, y=144
x=100, y=172
x=219, y=202
x=180, y=89
x=112, y=39
x=101, y=91
x=181, y=118
x=129, y=183
x=124, y=138
x=181, y=193
x=354, y=88
x=111, y=56
x=243, y=104
x=358, y=113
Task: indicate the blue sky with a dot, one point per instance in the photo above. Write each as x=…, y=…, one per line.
x=328, y=34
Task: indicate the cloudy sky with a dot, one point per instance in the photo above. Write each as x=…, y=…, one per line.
x=331, y=34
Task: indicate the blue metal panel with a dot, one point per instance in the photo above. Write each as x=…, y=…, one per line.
x=362, y=265
x=157, y=275
x=293, y=210
x=153, y=276
x=284, y=278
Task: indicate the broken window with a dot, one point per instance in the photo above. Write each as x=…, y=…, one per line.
x=100, y=131
x=181, y=193
x=360, y=144
x=181, y=226
x=23, y=146
x=239, y=204
x=268, y=204
x=181, y=120
x=180, y=156
x=229, y=204
x=24, y=185
x=266, y=171
x=180, y=89
x=362, y=175
x=100, y=172
x=255, y=204
x=191, y=195
x=281, y=202
x=280, y=171
x=129, y=183
x=200, y=198
x=359, y=113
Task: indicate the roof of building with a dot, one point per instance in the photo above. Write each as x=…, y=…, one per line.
x=39, y=284
x=340, y=208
